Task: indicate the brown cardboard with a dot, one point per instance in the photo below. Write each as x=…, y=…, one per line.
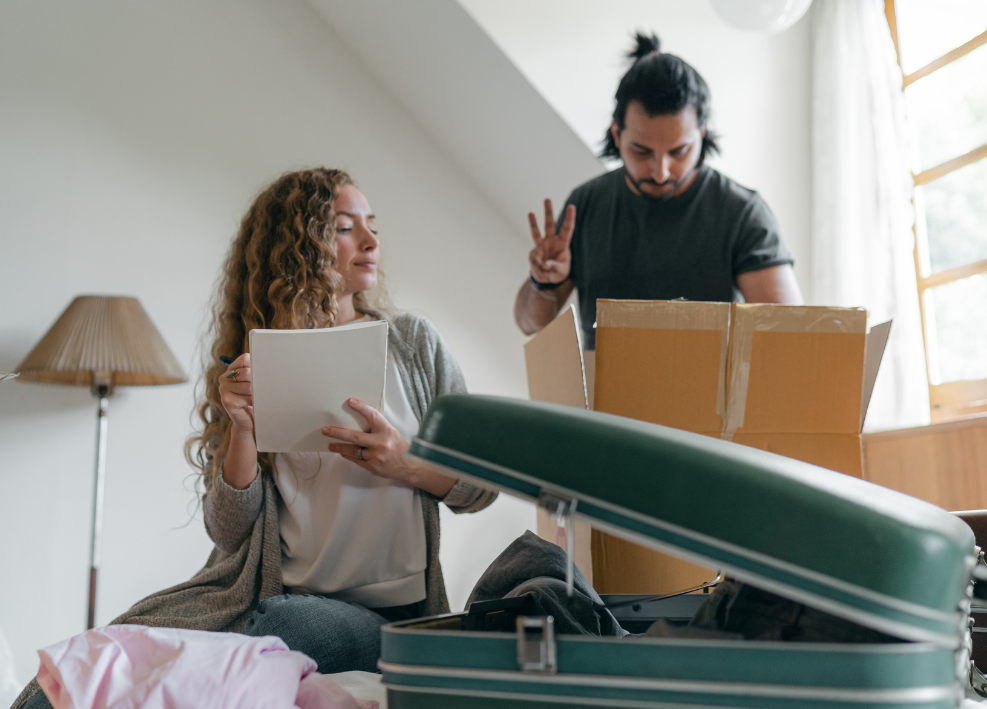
x=792, y=380
x=589, y=364
x=793, y=384
x=557, y=374
x=554, y=360
x=665, y=365
x=620, y=566
x=795, y=369
x=877, y=340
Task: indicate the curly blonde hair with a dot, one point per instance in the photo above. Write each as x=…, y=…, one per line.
x=280, y=274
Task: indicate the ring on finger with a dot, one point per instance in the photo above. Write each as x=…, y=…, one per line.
x=232, y=375
x=359, y=452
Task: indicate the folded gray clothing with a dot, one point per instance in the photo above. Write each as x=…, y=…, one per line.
x=534, y=568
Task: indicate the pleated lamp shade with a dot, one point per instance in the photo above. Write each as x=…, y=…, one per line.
x=102, y=340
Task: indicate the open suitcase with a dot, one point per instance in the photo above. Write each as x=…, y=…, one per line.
x=881, y=559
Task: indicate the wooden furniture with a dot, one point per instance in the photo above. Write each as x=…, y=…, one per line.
x=945, y=463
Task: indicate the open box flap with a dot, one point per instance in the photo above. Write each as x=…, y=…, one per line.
x=554, y=362
x=860, y=551
x=877, y=341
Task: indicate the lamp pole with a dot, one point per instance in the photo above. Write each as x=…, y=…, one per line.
x=101, y=342
x=102, y=392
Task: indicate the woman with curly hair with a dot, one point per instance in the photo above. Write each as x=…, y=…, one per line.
x=359, y=524
x=319, y=549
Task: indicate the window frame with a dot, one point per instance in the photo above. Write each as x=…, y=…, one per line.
x=958, y=399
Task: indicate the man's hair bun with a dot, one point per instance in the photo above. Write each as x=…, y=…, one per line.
x=644, y=45
x=663, y=84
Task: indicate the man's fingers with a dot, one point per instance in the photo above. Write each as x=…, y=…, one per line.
x=549, y=220
x=535, y=258
x=535, y=232
x=568, y=223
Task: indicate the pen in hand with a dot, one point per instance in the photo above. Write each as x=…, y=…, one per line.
x=228, y=361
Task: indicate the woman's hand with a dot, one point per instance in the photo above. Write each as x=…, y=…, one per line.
x=550, y=260
x=383, y=450
x=237, y=394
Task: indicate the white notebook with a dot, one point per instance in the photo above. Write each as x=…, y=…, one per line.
x=302, y=379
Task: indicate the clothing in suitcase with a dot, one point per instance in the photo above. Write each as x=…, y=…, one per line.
x=885, y=561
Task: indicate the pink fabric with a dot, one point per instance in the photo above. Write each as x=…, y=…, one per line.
x=130, y=666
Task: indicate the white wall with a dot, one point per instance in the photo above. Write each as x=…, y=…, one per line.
x=479, y=108
x=132, y=138
x=572, y=52
x=134, y=135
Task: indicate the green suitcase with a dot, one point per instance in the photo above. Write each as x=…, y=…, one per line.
x=881, y=559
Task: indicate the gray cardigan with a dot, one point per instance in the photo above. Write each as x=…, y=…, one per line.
x=245, y=566
x=427, y=370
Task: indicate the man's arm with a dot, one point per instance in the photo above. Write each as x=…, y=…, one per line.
x=534, y=309
x=775, y=284
x=550, y=261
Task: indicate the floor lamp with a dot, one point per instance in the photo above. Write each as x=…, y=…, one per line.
x=101, y=342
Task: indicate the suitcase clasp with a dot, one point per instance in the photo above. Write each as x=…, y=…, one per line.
x=562, y=510
x=536, y=644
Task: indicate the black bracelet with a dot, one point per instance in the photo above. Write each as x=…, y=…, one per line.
x=545, y=286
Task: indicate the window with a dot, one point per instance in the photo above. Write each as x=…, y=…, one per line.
x=942, y=51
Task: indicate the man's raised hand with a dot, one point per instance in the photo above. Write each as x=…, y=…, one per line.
x=550, y=259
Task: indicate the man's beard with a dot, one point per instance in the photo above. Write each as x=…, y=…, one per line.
x=676, y=185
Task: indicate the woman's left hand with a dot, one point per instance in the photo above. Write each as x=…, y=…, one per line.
x=383, y=450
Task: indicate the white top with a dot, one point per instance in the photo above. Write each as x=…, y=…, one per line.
x=348, y=534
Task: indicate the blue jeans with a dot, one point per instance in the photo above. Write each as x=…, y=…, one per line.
x=339, y=636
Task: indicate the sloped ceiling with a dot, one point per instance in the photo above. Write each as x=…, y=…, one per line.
x=475, y=104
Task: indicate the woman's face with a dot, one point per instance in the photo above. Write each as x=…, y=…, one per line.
x=357, y=247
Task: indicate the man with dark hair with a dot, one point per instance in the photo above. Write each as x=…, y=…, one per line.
x=662, y=226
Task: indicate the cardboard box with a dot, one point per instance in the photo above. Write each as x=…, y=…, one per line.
x=557, y=374
x=794, y=380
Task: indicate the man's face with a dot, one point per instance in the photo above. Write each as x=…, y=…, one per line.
x=658, y=151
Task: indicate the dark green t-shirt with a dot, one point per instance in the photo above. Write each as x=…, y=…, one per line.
x=692, y=246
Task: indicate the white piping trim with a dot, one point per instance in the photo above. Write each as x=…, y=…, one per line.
x=552, y=699
x=738, y=689
x=736, y=645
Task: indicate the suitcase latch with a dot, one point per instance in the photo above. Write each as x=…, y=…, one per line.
x=536, y=644
x=562, y=510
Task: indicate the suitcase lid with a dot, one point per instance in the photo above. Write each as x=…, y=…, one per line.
x=854, y=549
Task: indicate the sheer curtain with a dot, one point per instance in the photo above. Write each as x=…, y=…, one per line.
x=862, y=241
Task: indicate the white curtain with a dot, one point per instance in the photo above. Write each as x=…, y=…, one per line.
x=862, y=240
